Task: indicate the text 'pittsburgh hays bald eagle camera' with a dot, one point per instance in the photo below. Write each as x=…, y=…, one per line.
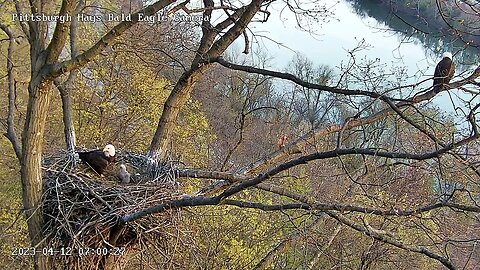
x=99, y=159
x=443, y=72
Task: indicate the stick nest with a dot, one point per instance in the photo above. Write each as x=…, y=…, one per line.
x=81, y=208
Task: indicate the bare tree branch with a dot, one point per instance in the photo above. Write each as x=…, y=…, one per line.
x=267, y=207
x=11, y=134
x=65, y=87
x=295, y=146
x=60, y=34
x=280, y=247
x=183, y=6
x=298, y=81
x=191, y=173
x=23, y=25
x=379, y=235
x=182, y=90
x=57, y=69
x=315, y=259
x=240, y=186
x=312, y=136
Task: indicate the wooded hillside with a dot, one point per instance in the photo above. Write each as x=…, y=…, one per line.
x=234, y=163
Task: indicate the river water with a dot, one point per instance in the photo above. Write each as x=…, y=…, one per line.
x=343, y=31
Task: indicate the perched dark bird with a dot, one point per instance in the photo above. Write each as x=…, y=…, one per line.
x=443, y=72
x=123, y=174
x=97, y=159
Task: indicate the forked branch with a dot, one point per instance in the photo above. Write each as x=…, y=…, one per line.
x=11, y=134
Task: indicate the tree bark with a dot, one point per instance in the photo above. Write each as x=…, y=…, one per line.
x=65, y=92
x=68, y=129
x=11, y=133
x=180, y=94
x=65, y=88
x=31, y=171
x=39, y=92
x=45, y=68
x=207, y=50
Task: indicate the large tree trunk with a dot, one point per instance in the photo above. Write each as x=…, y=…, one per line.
x=180, y=94
x=208, y=49
x=31, y=171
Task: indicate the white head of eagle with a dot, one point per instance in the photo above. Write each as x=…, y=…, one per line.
x=447, y=54
x=109, y=150
x=443, y=72
x=99, y=160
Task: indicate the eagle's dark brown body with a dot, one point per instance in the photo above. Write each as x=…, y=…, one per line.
x=98, y=159
x=443, y=73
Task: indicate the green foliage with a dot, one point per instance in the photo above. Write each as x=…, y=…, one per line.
x=122, y=101
x=232, y=238
x=193, y=135
x=13, y=228
x=8, y=8
x=119, y=98
x=121, y=104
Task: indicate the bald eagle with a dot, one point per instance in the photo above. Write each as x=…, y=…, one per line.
x=97, y=159
x=443, y=72
x=123, y=174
